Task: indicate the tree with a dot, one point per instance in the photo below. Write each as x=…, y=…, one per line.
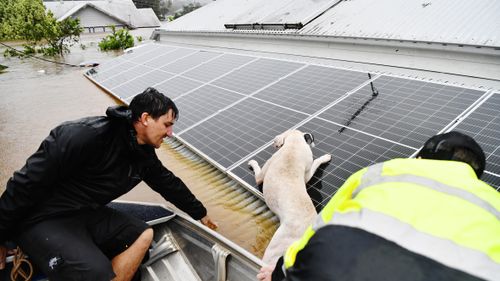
x=187, y=9
x=61, y=35
x=27, y=20
x=120, y=39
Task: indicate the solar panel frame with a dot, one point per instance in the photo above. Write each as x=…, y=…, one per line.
x=395, y=114
x=252, y=77
x=492, y=179
x=125, y=76
x=191, y=61
x=177, y=86
x=312, y=87
x=218, y=67
x=168, y=58
x=138, y=54
x=203, y=103
x=483, y=124
x=137, y=85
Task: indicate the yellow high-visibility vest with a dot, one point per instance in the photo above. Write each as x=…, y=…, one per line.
x=435, y=208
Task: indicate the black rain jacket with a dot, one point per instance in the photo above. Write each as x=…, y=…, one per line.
x=85, y=164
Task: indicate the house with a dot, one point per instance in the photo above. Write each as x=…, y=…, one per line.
x=98, y=16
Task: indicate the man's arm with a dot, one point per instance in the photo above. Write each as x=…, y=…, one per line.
x=174, y=190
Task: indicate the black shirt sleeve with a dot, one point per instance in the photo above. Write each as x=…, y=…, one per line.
x=174, y=190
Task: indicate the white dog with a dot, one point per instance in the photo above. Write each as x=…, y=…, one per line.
x=284, y=178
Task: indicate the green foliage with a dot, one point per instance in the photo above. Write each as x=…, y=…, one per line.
x=139, y=38
x=120, y=39
x=187, y=9
x=2, y=68
x=27, y=20
x=61, y=35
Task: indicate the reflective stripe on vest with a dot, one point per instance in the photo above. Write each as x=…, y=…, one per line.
x=442, y=250
x=373, y=177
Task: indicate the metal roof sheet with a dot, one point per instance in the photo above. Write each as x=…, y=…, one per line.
x=213, y=16
x=445, y=21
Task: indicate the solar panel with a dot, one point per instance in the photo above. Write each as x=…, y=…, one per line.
x=256, y=75
x=110, y=68
x=483, y=124
x=492, y=180
x=188, y=62
x=351, y=151
x=177, y=86
x=312, y=88
x=169, y=57
x=217, y=67
x=139, y=84
x=125, y=75
x=403, y=110
x=228, y=137
x=141, y=53
x=201, y=103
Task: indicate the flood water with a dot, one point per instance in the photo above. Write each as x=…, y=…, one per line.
x=36, y=96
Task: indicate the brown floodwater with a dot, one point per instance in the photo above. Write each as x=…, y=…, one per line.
x=36, y=96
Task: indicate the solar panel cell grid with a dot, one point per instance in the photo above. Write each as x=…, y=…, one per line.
x=202, y=103
x=135, y=86
x=169, y=57
x=492, y=180
x=230, y=136
x=110, y=69
x=142, y=53
x=256, y=75
x=312, y=88
x=125, y=76
x=217, y=67
x=190, y=61
x=402, y=110
x=177, y=86
x=484, y=126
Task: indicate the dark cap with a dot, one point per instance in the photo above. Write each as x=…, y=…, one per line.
x=442, y=147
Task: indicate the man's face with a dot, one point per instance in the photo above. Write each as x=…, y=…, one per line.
x=157, y=130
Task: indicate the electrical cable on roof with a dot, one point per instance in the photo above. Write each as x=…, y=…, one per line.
x=374, y=95
x=38, y=58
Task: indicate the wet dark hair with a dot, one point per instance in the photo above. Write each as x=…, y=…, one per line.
x=455, y=146
x=154, y=103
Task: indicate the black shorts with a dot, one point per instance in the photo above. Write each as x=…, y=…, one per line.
x=80, y=247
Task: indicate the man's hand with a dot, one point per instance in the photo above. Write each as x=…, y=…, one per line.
x=265, y=273
x=207, y=221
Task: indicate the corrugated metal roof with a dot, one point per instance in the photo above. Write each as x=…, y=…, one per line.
x=123, y=10
x=444, y=21
x=213, y=16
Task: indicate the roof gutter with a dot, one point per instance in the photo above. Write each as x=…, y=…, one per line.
x=290, y=35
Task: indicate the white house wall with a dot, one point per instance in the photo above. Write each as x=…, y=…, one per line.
x=90, y=17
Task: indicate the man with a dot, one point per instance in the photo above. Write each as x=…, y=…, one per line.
x=405, y=219
x=55, y=206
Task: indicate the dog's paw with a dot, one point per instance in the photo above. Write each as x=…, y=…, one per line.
x=325, y=158
x=278, y=141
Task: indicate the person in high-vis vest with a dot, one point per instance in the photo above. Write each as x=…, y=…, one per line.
x=429, y=218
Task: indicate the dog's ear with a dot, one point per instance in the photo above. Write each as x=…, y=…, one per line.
x=309, y=139
x=279, y=140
